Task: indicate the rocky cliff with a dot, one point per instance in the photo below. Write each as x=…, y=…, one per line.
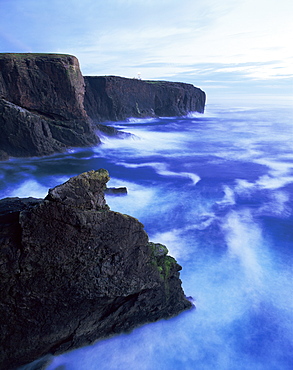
x=47, y=106
x=73, y=271
x=41, y=105
x=112, y=98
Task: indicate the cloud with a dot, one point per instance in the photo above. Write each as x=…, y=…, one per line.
x=162, y=40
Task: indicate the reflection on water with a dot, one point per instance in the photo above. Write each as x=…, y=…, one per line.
x=216, y=189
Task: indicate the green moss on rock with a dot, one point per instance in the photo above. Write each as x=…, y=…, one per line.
x=165, y=264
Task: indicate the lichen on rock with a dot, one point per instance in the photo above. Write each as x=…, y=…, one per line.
x=85, y=191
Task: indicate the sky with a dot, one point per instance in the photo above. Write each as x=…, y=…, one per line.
x=225, y=47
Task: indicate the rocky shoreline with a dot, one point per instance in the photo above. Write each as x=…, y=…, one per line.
x=73, y=271
x=47, y=106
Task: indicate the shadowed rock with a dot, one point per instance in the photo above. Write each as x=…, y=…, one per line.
x=46, y=105
x=116, y=191
x=72, y=272
x=41, y=105
x=113, y=98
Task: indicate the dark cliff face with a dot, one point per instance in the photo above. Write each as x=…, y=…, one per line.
x=117, y=98
x=47, y=106
x=72, y=272
x=49, y=84
x=41, y=104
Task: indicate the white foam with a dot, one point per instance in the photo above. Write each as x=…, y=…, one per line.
x=277, y=205
x=278, y=176
x=161, y=169
x=143, y=142
x=243, y=239
x=204, y=221
x=174, y=239
x=229, y=197
x=243, y=185
x=207, y=113
x=29, y=188
x=270, y=182
x=137, y=200
x=142, y=120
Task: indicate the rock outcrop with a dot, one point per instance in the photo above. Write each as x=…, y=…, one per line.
x=112, y=98
x=41, y=105
x=73, y=271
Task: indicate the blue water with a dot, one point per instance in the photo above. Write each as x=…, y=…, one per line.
x=217, y=189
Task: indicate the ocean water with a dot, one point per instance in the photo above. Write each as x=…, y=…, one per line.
x=217, y=190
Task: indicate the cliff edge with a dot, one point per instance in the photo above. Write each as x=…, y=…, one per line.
x=46, y=105
x=113, y=98
x=41, y=105
x=73, y=271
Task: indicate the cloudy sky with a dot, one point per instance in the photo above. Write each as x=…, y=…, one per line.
x=223, y=46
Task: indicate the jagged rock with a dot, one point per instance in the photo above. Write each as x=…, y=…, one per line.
x=116, y=191
x=112, y=98
x=41, y=105
x=72, y=271
x=3, y=155
x=105, y=130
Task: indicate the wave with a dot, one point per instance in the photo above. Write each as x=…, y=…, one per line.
x=161, y=169
x=229, y=197
x=141, y=120
x=277, y=205
x=243, y=238
x=207, y=114
x=29, y=188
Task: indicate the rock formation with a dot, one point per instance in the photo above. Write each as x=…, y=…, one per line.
x=112, y=98
x=41, y=105
x=73, y=271
x=47, y=106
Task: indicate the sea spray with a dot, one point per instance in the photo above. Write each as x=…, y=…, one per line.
x=231, y=231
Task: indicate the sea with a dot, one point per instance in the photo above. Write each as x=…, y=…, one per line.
x=217, y=190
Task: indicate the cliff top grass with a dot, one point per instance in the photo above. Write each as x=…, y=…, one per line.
x=155, y=82
x=129, y=78
x=151, y=82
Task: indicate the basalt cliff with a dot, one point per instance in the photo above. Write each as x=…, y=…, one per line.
x=73, y=271
x=112, y=98
x=46, y=105
x=41, y=105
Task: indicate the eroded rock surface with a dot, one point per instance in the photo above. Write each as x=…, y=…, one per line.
x=41, y=105
x=72, y=271
x=112, y=98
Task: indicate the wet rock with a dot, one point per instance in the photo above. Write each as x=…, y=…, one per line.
x=116, y=191
x=73, y=271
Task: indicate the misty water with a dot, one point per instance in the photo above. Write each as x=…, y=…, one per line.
x=217, y=190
